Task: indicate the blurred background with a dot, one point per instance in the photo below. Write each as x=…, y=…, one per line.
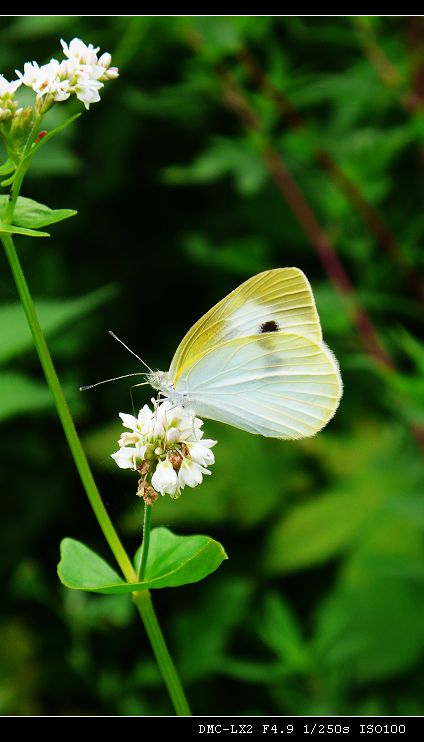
x=227, y=146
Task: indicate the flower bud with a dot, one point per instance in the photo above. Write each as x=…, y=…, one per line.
x=111, y=74
x=5, y=114
x=21, y=125
x=105, y=60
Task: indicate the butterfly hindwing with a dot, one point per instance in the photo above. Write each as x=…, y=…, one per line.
x=276, y=384
x=278, y=300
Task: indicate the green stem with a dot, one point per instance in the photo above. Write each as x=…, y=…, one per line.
x=142, y=599
x=20, y=173
x=146, y=541
x=144, y=604
x=64, y=413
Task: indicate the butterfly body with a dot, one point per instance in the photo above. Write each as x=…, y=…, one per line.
x=160, y=380
x=257, y=361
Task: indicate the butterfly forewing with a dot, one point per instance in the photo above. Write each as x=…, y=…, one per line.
x=275, y=384
x=279, y=300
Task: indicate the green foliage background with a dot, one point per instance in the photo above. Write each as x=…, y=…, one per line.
x=320, y=608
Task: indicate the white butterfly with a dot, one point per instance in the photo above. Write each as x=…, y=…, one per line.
x=257, y=361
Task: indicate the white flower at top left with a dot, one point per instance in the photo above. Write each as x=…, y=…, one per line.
x=80, y=73
x=46, y=80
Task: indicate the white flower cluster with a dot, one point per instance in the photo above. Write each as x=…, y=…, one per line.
x=166, y=446
x=81, y=73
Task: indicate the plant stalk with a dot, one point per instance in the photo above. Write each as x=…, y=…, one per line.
x=146, y=541
x=142, y=599
x=64, y=413
x=144, y=604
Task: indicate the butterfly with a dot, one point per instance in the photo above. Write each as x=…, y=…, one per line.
x=257, y=361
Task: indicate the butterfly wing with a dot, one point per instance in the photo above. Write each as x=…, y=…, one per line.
x=276, y=384
x=280, y=299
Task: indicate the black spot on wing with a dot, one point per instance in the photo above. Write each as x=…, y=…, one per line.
x=269, y=326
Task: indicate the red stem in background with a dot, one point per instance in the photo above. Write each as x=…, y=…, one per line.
x=415, y=38
x=326, y=162
x=319, y=240
x=410, y=97
x=377, y=57
x=236, y=100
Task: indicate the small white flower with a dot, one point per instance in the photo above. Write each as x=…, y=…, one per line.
x=7, y=87
x=109, y=73
x=191, y=474
x=105, y=60
x=165, y=479
x=129, y=458
x=87, y=91
x=145, y=417
x=67, y=69
x=165, y=445
x=45, y=80
x=200, y=452
x=80, y=52
x=173, y=435
x=128, y=421
x=129, y=439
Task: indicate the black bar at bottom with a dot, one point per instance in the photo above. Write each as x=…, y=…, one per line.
x=271, y=727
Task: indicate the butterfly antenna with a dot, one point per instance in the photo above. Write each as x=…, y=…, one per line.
x=115, y=337
x=115, y=378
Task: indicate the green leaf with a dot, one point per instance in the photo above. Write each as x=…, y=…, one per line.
x=8, y=167
x=317, y=530
x=12, y=229
x=372, y=631
x=223, y=157
x=15, y=334
x=82, y=569
x=279, y=630
x=178, y=560
x=19, y=393
x=8, y=181
x=204, y=652
x=173, y=561
x=29, y=213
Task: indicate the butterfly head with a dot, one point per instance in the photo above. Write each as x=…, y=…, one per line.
x=159, y=380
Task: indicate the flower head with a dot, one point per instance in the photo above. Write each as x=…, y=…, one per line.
x=166, y=446
x=80, y=73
